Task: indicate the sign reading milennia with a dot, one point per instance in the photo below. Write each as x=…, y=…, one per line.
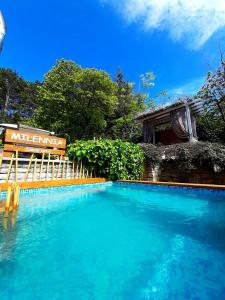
x=28, y=138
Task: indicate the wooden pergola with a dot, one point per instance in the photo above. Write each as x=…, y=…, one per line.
x=181, y=117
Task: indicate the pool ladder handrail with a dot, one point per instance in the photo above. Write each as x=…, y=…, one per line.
x=12, y=199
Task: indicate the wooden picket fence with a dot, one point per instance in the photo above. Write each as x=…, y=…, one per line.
x=37, y=173
x=42, y=169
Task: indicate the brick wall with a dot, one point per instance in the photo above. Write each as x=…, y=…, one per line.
x=167, y=174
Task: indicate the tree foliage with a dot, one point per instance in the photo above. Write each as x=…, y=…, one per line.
x=113, y=159
x=17, y=97
x=74, y=101
x=211, y=123
x=122, y=124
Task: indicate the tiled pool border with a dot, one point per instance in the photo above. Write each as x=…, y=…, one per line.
x=46, y=190
x=134, y=184
x=201, y=189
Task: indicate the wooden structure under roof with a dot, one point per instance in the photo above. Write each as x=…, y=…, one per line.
x=179, y=118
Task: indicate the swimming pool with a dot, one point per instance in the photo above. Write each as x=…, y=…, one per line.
x=114, y=242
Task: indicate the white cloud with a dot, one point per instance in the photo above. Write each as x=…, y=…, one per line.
x=193, y=21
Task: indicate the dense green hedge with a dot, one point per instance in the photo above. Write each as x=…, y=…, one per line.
x=187, y=156
x=113, y=159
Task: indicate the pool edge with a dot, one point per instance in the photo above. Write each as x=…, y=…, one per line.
x=177, y=184
x=52, y=183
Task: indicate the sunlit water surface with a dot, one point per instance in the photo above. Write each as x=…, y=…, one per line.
x=114, y=242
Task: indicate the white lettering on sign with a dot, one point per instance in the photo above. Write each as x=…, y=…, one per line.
x=36, y=139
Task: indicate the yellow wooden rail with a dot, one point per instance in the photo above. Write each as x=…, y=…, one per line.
x=11, y=202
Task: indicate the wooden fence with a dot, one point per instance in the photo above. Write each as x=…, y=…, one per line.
x=16, y=169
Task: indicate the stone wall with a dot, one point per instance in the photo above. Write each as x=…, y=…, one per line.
x=56, y=170
x=168, y=174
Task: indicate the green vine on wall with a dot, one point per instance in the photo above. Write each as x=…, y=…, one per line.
x=187, y=156
x=113, y=159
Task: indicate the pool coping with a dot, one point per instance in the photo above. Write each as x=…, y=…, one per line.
x=177, y=184
x=51, y=183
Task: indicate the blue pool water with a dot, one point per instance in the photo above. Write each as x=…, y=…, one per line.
x=114, y=242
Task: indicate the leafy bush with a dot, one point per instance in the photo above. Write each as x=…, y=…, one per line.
x=187, y=156
x=113, y=159
x=152, y=153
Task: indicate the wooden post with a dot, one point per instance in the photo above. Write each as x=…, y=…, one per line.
x=81, y=170
x=53, y=170
x=59, y=167
x=9, y=169
x=153, y=135
x=1, y=157
x=41, y=167
x=63, y=170
x=83, y=175
x=16, y=171
x=67, y=167
x=77, y=170
x=34, y=170
x=73, y=171
x=28, y=168
x=47, y=171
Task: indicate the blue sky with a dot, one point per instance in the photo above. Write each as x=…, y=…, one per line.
x=177, y=40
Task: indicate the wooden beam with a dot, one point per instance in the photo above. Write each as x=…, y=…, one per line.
x=9, y=168
x=28, y=169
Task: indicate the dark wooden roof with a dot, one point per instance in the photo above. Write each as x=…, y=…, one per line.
x=162, y=115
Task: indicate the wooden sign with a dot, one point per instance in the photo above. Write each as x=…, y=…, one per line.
x=31, y=142
x=36, y=139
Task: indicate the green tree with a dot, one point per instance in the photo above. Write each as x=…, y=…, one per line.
x=75, y=102
x=211, y=123
x=146, y=83
x=17, y=97
x=129, y=104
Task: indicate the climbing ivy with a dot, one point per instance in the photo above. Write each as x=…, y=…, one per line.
x=187, y=156
x=113, y=159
